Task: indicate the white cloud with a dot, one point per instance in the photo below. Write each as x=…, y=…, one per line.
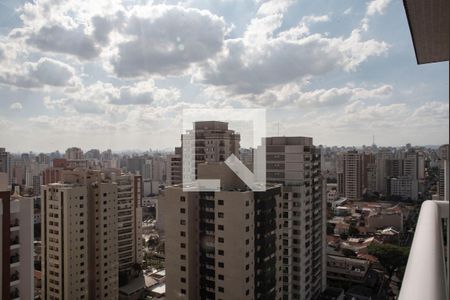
x=293, y=95
x=431, y=113
x=45, y=71
x=16, y=106
x=166, y=40
x=144, y=93
x=377, y=6
x=57, y=38
x=247, y=69
x=107, y=99
x=266, y=57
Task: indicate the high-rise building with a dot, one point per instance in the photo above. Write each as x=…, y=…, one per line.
x=294, y=162
x=352, y=175
x=129, y=219
x=5, y=164
x=225, y=244
x=74, y=153
x=382, y=170
x=79, y=237
x=444, y=172
x=174, y=167
x=16, y=250
x=209, y=141
x=405, y=173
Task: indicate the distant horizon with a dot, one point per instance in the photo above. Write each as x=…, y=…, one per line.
x=171, y=150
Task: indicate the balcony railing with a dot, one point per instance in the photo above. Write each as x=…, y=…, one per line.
x=426, y=275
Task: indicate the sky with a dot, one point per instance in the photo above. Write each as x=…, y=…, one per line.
x=117, y=73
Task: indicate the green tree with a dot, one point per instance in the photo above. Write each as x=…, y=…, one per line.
x=348, y=252
x=352, y=230
x=330, y=229
x=391, y=257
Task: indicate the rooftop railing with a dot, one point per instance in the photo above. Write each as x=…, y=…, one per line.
x=426, y=274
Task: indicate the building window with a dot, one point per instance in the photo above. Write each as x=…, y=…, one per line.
x=221, y=265
x=221, y=277
x=220, y=214
x=183, y=257
x=221, y=289
x=183, y=268
x=182, y=233
x=220, y=202
x=220, y=227
x=247, y=216
x=220, y=252
x=183, y=245
x=183, y=291
x=183, y=279
x=182, y=210
x=183, y=222
x=182, y=199
x=221, y=240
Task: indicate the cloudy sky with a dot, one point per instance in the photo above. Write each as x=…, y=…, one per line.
x=118, y=73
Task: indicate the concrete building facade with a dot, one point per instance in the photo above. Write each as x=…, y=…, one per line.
x=222, y=245
x=294, y=162
x=79, y=237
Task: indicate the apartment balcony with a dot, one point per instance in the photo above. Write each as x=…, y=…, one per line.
x=14, y=226
x=14, y=243
x=14, y=279
x=14, y=294
x=426, y=275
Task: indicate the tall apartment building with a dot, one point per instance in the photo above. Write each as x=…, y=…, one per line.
x=79, y=237
x=74, y=153
x=174, y=167
x=294, y=162
x=382, y=170
x=16, y=251
x=404, y=187
x=222, y=245
x=5, y=164
x=444, y=172
x=209, y=141
x=129, y=219
x=351, y=175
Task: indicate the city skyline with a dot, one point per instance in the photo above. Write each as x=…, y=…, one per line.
x=80, y=71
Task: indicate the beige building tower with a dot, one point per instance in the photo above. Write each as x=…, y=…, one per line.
x=129, y=219
x=222, y=245
x=351, y=175
x=79, y=237
x=210, y=141
x=294, y=162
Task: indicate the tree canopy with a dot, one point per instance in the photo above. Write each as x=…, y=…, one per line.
x=391, y=257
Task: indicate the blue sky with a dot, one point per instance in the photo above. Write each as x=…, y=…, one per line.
x=117, y=74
